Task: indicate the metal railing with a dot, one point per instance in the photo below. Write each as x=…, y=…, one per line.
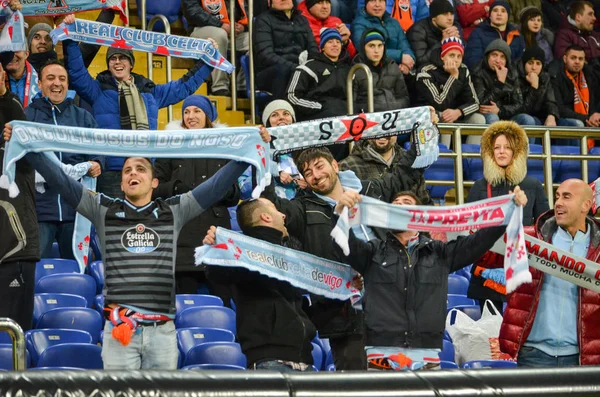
x=251, y=62
x=15, y=332
x=233, y=61
x=350, y=91
x=545, y=133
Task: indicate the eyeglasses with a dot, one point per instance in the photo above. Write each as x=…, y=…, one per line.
x=118, y=58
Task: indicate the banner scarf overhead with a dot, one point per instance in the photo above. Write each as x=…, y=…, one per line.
x=141, y=40
x=238, y=144
x=494, y=211
x=12, y=35
x=415, y=121
x=316, y=275
x=65, y=7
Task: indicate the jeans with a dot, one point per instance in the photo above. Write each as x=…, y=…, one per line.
x=62, y=232
x=274, y=365
x=535, y=358
x=151, y=347
x=491, y=118
x=525, y=119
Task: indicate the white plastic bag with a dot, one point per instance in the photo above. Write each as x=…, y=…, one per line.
x=476, y=340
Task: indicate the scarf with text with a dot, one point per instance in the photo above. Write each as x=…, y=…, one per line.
x=12, y=35
x=64, y=7
x=142, y=40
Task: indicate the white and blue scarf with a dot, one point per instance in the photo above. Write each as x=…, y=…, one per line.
x=65, y=7
x=12, y=36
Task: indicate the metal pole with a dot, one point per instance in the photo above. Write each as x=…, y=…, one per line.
x=458, y=167
x=127, y=12
x=15, y=332
x=546, y=149
x=143, y=12
x=584, y=163
x=350, y=92
x=151, y=24
x=251, y=59
x=233, y=74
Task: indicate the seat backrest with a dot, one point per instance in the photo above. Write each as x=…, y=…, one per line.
x=207, y=317
x=535, y=168
x=39, y=340
x=6, y=357
x=78, y=355
x=96, y=270
x=216, y=353
x=567, y=169
x=190, y=337
x=473, y=167
x=76, y=284
x=169, y=9
x=447, y=353
x=442, y=169
x=185, y=301
x=457, y=285
x=456, y=300
x=206, y=367
x=480, y=364
x=594, y=165
x=84, y=319
x=44, y=302
x=47, y=266
x=473, y=311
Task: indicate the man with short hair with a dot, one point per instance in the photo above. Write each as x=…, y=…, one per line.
x=272, y=328
x=579, y=30
x=41, y=48
x=551, y=322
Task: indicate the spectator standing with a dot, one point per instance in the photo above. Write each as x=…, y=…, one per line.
x=389, y=88
x=211, y=19
x=426, y=36
x=374, y=158
x=551, y=322
x=281, y=34
x=517, y=7
x=535, y=34
x=471, y=13
x=318, y=14
x=495, y=27
x=56, y=218
x=41, y=48
x=22, y=78
x=375, y=16
x=579, y=30
x=504, y=150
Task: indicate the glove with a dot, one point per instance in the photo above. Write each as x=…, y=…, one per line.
x=496, y=275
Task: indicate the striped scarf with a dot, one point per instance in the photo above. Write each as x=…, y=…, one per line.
x=132, y=108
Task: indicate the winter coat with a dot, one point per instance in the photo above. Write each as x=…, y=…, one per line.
x=516, y=6
x=500, y=181
x=280, y=40
x=564, y=92
x=316, y=25
x=435, y=87
x=545, y=40
x=520, y=312
x=317, y=88
x=18, y=221
x=568, y=35
x=178, y=176
x=405, y=294
x=51, y=207
x=102, y=93
x=368, y=164
x=419, y=8
x=507, y=96
x=484, y=34
x=396, y=43
x=197, y=16
x=426, y=41
x=539, y=102
x=469, y=12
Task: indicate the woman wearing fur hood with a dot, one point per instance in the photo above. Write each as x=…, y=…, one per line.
x=504, y=150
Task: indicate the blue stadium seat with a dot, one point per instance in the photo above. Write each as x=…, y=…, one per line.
x=96, y=270
x=442, y=169
x=99, y=307
x=473, y=167
x=535, y=168
x=216, y=353
x=169, y=9
x=5, y=337
x=233, y=218
x=567, y=169
x=39, y=340
x=185, y=301
x=190, y=337
x=83, y=319
x=262, y=97
x=473, y=311
x=207, y=367
x=78, y=355
x=95, y=244
x=6, y=357
x=55, y=250
x=447, y=353
x=456, y=300
x=457, y=285
x=56, y=369
x=317, y=355
x=76, y=284
x=48, y=266
x=479, y=364
x=207, y=317
x=443, y=365
x=594, y=165
x=44, y=302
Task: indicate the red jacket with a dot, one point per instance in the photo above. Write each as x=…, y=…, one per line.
x=522, y=303
x=469, y=13
x=317, y=24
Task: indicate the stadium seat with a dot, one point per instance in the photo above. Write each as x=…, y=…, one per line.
x=95, y=244
x=77, y=355
x=44, y=302
x=39, y=340
x=48, y=266
x=96, y=270
x=473, y=167
x=441, y=170
x=479, y=364
x=56, y=369
x=535, y=168
x=6, y=357
x=594, y=165
x=76, y=284
x=443, y=365
x=55, y=250
x=447, y=353
x=566, y=169
x=215, y=353
x=317, y=354
x=233, y=219
x=169, y=9
x=207, y=367
x=262, y=97
x=190, y=337
x=83, y=319
x=207, y=317
x=185, y=301
x=456, y=300
x=99, y=307
x=457, y=285
x=473, y=311
x=5, y=337
x=465, y=272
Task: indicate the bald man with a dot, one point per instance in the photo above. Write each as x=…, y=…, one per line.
x=551, y=322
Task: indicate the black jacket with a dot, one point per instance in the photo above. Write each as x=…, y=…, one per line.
x=197, y=16
x=436, y=88
x=317, y=88
x=280, y=40
x=270, y=320
x=22, y=226
x=507, y=96
x=539, y=102
x=405, y=295
x=178, y=176
x=564, y=92
x=426, y=40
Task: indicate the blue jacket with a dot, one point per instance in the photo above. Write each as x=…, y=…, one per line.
x=483, y=35
x=50, y=206
x=420, y=9
x=103, y=95
x=396, y=43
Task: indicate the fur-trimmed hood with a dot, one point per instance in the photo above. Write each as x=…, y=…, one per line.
x=516, y=171
x=177, y=125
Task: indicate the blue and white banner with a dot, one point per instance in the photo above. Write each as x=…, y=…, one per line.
x=142, y=40
x=238, y=144
x=64, y=7
x=316, y=275
x=12, y=29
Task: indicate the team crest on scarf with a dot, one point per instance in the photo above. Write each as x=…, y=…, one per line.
x=404, y=5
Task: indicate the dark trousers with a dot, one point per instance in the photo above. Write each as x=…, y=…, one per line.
x=274, y=79
x=16, y=292
x=61, y=232
x=535, y=358
x=349, y=353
